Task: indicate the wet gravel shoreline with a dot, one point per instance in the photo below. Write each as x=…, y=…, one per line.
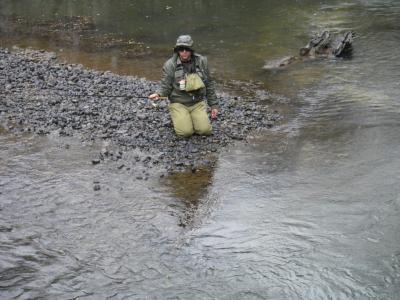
x=42, y=95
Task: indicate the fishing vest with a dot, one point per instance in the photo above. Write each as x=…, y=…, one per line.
x=180, y=72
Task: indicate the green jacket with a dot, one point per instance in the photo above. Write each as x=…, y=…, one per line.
x=173, y=72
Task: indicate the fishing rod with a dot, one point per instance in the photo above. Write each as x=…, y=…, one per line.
x=103, y=96
x=54, y=91
x=155, y=105
x=123, y=96
x=131, y=97
x=113, y=96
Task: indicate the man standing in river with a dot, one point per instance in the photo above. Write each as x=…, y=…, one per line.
x=186, y=81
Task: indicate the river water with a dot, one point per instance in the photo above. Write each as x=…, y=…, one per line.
x=309, y=209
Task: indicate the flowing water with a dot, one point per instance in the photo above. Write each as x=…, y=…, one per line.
x=307, y=210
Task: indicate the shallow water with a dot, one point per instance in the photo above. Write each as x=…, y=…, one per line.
x=307, y=210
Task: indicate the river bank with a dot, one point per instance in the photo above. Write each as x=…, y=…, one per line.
x=43, y=95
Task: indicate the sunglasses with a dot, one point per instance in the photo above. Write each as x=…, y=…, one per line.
x=181, y=49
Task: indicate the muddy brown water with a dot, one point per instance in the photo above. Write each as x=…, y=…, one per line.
x=307, y=210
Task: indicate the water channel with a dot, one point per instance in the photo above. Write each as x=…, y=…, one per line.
x=309, y=209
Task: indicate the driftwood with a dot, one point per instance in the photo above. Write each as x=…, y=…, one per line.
x=321, y=45
x=327, y=44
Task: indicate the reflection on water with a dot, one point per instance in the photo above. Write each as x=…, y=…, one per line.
x=307, y=210
x=190, y=189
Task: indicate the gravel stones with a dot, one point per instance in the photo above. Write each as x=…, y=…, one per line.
x=41, y=95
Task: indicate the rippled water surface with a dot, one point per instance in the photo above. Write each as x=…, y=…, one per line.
x=307, y=210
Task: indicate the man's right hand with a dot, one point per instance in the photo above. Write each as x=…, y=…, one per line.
x=154, y=96
x=214, y=113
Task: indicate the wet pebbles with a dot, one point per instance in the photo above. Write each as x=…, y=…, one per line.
x=41, y=95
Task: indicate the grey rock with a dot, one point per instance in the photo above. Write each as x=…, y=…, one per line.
x=102, y=105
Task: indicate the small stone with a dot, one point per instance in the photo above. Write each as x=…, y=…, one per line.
x=96, y=187
x=93, y=105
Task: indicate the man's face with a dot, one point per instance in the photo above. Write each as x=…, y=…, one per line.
x=184, y=53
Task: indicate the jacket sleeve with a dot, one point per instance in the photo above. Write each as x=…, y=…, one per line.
x=167, y=80
x=212, y=99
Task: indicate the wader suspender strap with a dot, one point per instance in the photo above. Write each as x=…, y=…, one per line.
x=179, y=73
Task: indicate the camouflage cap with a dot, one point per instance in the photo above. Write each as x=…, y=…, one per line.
x=184, y=41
